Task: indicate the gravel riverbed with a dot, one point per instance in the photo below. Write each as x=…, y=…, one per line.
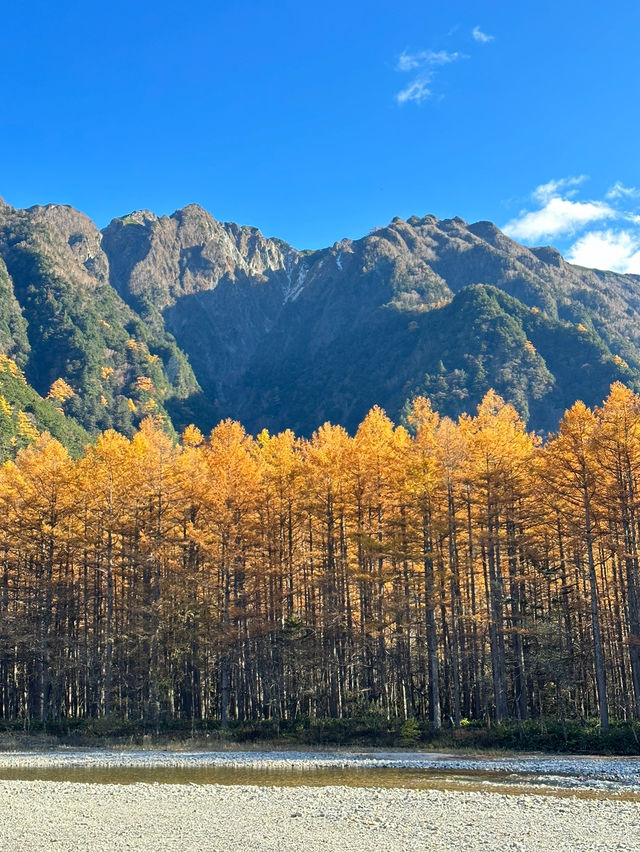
x=41, y=815
x=590, y=803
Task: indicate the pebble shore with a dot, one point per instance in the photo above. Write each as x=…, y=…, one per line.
x=40, y=815
x=71, y=815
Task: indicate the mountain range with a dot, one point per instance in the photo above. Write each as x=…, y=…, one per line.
x=195, y=320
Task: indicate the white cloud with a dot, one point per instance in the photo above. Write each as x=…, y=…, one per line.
x=407, y=61
x=619, y=190
x=417, y=91
x=598, y=233
x=425, y=58
x=616, y=250
x=483, y=38
x=558, y=216
x=556, y=188
x=441, y=57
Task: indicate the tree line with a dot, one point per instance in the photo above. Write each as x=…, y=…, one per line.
x=440, y=570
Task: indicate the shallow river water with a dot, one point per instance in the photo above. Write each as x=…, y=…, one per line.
x=152, y=801
x=587, y=777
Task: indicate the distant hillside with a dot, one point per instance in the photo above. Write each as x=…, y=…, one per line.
x=195, y=320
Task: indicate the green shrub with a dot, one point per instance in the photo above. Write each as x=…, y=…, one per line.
x=410, y=733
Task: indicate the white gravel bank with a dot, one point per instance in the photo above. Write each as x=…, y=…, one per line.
x=42, y=815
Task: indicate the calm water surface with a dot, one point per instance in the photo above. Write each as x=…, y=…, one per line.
x=415, y=779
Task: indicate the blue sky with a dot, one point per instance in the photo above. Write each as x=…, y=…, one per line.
x=317, y=121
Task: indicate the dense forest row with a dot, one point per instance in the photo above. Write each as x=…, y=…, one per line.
x=443, y=571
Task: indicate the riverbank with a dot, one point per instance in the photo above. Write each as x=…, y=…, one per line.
x=40, y=815
x=613, y=774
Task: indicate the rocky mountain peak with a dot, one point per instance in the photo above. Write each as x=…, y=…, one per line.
x=83, y=239
x=282, y=338
x=186, y=253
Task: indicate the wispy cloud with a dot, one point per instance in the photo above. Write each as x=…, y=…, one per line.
x=478, y=35
x=555, y=188
x=619, y=190
x=425, y=63
x=425, y=58
x=416, y=91
x=602, y=233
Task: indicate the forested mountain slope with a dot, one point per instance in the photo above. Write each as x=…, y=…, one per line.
x=197, y=320
x=282, y=338
x=63, y=320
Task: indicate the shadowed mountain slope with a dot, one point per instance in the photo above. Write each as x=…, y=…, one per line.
x=282, y=338
x=195, y=319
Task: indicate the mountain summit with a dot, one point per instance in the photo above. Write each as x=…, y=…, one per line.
x=197, y=319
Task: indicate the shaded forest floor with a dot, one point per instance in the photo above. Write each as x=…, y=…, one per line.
x=368, y=731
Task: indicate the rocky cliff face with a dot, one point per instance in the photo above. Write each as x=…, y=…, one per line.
x=282, y=338
x=71, y=323
x=217, y=287
x=157, y=261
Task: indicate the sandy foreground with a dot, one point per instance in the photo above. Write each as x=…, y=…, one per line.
x=37, y=815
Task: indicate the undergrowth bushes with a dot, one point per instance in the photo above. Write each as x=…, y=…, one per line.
x=372, y=730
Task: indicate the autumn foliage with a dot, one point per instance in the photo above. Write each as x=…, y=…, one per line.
x=443, y=571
